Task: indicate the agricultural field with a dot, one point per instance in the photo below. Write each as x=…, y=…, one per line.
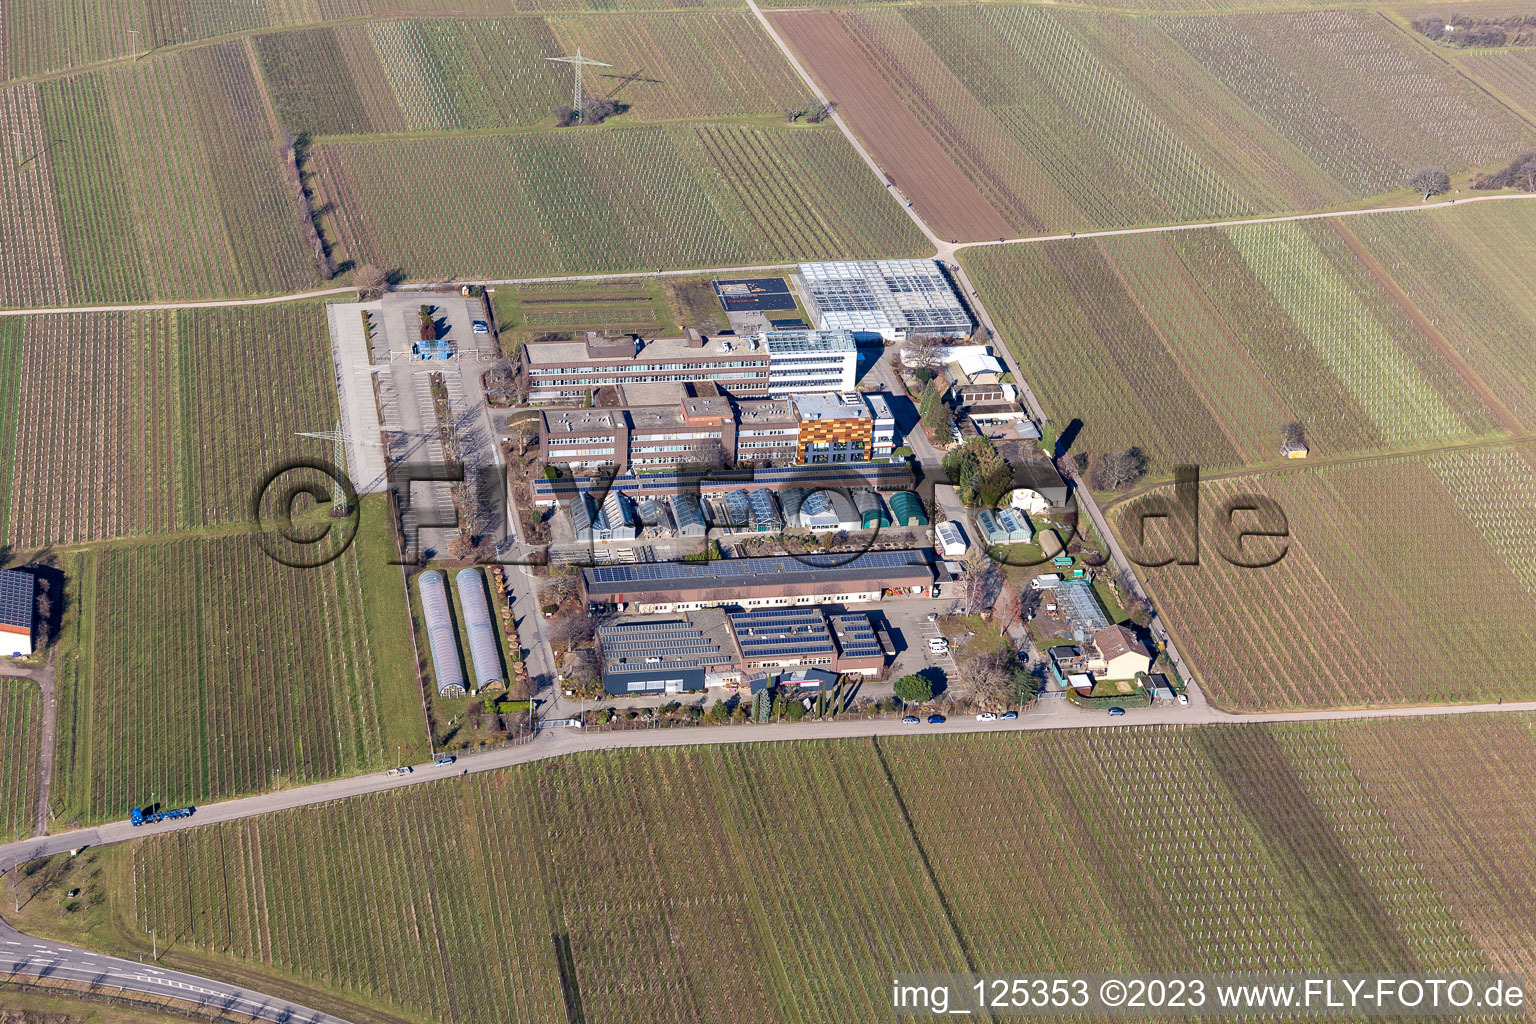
x=129, y=423
x=1239, y=860
x=21, y=713
x=200, y=669
x=38, y=36
x=426, y=75
x=1198, y=346
x=999, y=120
x=168, y=183
x=681, y=195
x=31, y=252
x=1406, y=580
x=1510, y=74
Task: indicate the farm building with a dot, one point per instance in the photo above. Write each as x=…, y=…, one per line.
x=484, y=652
x=1038, y=488
x=889, y=299
x=952, y=542
x=18, y=596
x=442, y=640
x=1004, y=526
x=676, y=654
x=871, y=509
x=907, y=509
x=761, y=582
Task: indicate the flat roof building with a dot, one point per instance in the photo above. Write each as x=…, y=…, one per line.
x=892, y=299
x=677, y=654
x=835, y=427
x=564, y=371
x=806, y=362
x=18, y=598
x=761, y=582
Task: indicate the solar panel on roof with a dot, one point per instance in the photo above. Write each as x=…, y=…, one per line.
x=17, y=596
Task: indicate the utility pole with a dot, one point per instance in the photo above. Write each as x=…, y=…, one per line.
x=339, y=439
x=577, y=61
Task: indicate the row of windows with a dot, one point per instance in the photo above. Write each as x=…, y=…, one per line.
x=563, y=371
x=662, y=380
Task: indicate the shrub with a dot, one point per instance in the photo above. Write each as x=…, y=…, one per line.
x=914, y=689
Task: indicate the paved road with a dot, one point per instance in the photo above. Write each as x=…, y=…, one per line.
x=1050, y=714
x=22, y=954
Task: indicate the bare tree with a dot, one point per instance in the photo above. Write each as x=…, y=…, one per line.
x=371, y=282
x=1429, y=181
x=978, y=581
x=925, y=351
x=1117, y=470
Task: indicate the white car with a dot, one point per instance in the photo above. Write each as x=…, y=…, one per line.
x=986, y=716
x=480, y=327
x=404, y=769
x=1184, y=699
x=938, y=646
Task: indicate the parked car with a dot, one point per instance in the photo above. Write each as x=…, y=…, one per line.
x=480, y=327
x=936, y=719
x=933, y=616
x=986, y=716
x=909, y=720
x=1184, y=699
x=404, y=769
x=1009, y=716
x=446, y=759
x=1116, y=712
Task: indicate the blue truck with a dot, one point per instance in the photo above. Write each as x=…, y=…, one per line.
x=143, y=816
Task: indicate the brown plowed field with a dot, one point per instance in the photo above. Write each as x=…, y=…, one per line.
x=913, y=158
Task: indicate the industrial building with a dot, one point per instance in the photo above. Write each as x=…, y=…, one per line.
x=484, y=651
x=666, y=655
x=777, y=580
x=809, y=362
x=441, y=639
x=889, y=299
x=788, y=637
x=18, y=598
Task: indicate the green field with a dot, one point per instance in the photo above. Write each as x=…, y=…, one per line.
x=694, y=195
x=1198, y=346
x=130, y=423
x=21, y=711
x=199, y=669
x=169, y=181
x=1048, y=120
x=1397, y=574
x=426, y=75
x=38, y=36
x=1347, y=846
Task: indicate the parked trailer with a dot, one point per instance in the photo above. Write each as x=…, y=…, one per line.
x=140, y=816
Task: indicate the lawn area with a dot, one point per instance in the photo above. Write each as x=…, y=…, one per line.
x=1259, y=825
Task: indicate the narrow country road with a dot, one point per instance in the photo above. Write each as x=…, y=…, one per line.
x=23, y=955
x=1046, y=715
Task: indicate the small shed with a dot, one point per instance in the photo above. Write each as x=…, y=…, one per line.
x=951, y=539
